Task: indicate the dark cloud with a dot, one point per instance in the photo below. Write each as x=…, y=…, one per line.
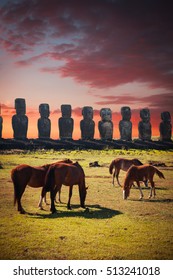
x=157, y=101
x=105, y=43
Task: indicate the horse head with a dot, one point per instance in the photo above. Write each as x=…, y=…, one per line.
x=126, y=189
x=126, y=193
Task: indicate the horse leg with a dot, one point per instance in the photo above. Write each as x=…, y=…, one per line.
x=152, y=189
x=45, y=200
x=69, y=199
x=59, y=194
x=113, y=178
x=146, y=183
x=19, y=207
x=117, y=174
x=53, y=193
x=18, y=198
x=139, y=187
x=59, y=197
x=42, y=196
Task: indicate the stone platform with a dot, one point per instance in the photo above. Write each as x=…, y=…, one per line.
x=37, y=144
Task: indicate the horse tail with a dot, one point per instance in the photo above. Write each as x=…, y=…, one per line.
x=111, y=167
x=50, y=178
x=159, y=173
x=15, y=184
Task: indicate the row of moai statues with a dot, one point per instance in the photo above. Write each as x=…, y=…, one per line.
x=87, y=125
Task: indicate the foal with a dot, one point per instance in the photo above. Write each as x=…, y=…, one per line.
x=140, y=173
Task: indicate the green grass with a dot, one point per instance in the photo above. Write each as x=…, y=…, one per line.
x=112, y=229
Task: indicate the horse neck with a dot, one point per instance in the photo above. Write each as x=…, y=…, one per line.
x=126, y=182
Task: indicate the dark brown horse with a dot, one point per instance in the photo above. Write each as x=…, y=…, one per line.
x=24, y=175
x=121, y=164
x=68, y=175
x=140, y=173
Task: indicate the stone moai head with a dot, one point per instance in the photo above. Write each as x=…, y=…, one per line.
x=126, y=113
x=165, y=127
x=87, y=113
x=1, y=122
x=145, y=115
x=66, y=110
x=106, y=114
x=166, y=116
x=20, y=106
x=20, y=120
x=125, y=125
x=44, y=110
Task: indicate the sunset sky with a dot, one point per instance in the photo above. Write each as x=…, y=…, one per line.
x=99, y=53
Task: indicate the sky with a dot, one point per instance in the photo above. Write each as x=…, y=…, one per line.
x=99, y=53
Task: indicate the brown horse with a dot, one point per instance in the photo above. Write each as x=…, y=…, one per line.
x=68, y=175
x=121, y=163
x=24, y=175
x=140, y=173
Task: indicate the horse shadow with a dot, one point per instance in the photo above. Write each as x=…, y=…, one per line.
x=91, y=212
x=154, y=200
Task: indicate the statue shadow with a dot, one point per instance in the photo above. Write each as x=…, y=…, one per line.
x=91, y=212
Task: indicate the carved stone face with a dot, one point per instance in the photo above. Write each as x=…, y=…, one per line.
x=126, y=113
x=44, y=110
x=66, y=111
x=20, y=106
x=166, y=117
x=106, y=114
x=145, y=115
x=87, y=113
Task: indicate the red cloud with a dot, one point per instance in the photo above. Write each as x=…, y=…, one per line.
x=104, y=43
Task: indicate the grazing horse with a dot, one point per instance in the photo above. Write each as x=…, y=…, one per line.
x=140, y=173
x=124, y=164
x=68, y=175
x=23, y=175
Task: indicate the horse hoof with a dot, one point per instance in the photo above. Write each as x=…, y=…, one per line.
x=86, y=210
x=22, y=211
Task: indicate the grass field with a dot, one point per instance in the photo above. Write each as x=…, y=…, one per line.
x=112, y=229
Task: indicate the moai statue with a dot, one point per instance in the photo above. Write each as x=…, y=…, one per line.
x=44, y=124
x=20, y=120
x=1, y=123
x=105, y=126
x=87, y=125
x=144, y=126
x=125, y=125
x=165, y=127
x=65, y=123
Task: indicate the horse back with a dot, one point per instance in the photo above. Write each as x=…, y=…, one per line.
x=68, y=174
x=27, y=175
x=141, y=172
